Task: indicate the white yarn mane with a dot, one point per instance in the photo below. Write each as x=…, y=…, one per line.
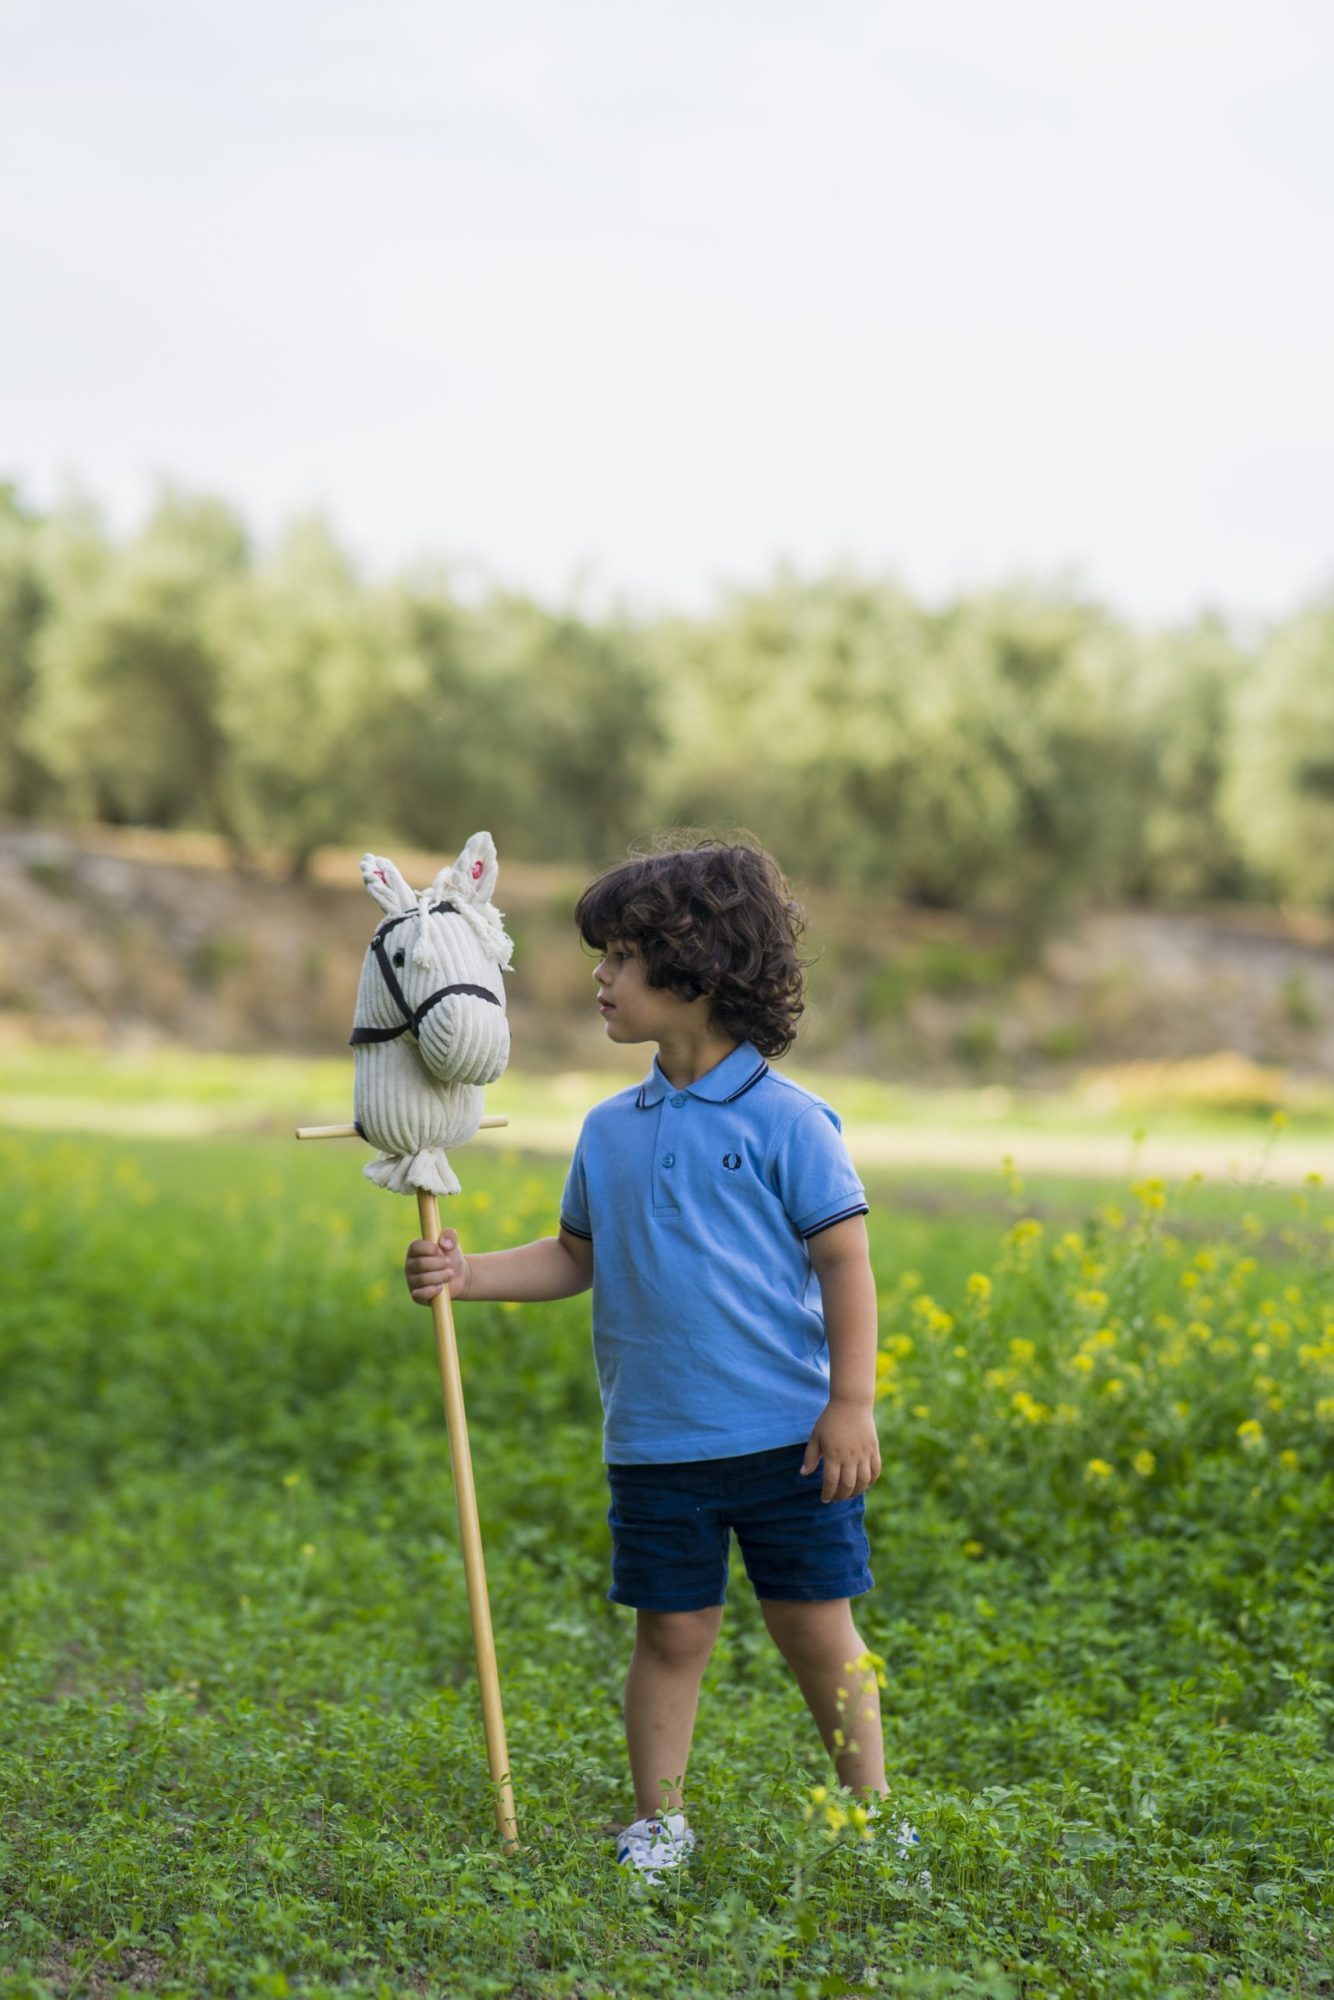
x=483, y=920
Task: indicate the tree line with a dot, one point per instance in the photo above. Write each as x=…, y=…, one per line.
x=1015, y=752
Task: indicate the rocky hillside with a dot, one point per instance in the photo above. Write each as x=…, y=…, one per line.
x=118, y=938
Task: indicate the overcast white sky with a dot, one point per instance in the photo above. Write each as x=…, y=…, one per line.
x=638, y=296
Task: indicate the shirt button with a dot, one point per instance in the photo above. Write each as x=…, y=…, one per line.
x=678, y=1100
x=669, y=1159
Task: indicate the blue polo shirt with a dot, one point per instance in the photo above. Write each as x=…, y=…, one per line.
x=699, y=1203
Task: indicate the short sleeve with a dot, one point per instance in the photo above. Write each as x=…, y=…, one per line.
x=574, y=1201
x=813, y=1171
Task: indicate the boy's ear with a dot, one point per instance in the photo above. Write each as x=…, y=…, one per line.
x=387, y=886
x=474, y=874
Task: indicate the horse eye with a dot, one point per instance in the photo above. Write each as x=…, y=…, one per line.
x=400, y=958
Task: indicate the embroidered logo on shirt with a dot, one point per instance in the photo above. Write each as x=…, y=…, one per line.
x=731, y=1161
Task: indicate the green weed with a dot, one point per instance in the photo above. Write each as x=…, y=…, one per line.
x=240, y=1752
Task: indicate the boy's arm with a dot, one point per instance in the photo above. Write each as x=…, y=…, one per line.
x=555, y=1267
x=844, y=1435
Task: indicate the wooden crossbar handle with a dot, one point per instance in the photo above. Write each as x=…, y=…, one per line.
x=351, y=1132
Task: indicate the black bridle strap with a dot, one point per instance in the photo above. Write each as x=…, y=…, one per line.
x=412, y=1026
x=412, y=1017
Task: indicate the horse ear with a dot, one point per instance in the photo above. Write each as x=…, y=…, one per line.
x=387, y=886
x=474, y=873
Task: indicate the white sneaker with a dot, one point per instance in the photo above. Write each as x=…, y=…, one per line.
x=654, y=1846
x=908, y=1841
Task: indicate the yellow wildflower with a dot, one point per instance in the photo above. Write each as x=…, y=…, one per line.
x=1251, y=1433
x=1029, y=1408
x=1098, y=1469
x=1145, y=1464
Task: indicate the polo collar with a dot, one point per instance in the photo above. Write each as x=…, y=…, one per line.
x=730, y=1078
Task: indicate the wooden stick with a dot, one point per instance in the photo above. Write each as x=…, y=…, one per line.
x=470, y=1537
x=351, y=1132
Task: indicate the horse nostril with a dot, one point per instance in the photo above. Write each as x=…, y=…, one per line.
x=400, y=958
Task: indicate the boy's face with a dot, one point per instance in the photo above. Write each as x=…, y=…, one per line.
x=632, y=1010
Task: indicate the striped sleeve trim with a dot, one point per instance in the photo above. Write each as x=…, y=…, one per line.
x=859, y=1208
x=575, y=1230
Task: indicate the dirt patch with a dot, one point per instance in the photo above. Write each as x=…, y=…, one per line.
x=77, y=1972
x=118, y=938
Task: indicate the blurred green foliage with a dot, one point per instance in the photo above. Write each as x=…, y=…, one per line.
x=1015, y=753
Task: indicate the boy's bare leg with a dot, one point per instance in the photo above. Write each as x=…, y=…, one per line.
x=672, y=1649
x=818, y=1641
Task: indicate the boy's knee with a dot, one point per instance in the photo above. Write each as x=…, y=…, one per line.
x=678, y=1638
x=812, y=1631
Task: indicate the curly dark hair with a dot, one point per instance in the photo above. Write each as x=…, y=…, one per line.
x=715, y=918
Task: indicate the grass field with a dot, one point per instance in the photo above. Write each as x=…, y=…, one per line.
x=241, y=1752
x=1220, y=1098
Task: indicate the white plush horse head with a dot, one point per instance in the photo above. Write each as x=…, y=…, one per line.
x=431, y=1026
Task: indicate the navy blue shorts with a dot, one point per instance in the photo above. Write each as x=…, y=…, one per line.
x=671, y=1528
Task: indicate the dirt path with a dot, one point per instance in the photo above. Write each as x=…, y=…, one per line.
x=1086, y=1155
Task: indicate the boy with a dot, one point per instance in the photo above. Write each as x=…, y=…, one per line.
x=720, y=1222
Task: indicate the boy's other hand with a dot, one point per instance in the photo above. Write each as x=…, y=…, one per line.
x=429, y=1267
x=844, y=1438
